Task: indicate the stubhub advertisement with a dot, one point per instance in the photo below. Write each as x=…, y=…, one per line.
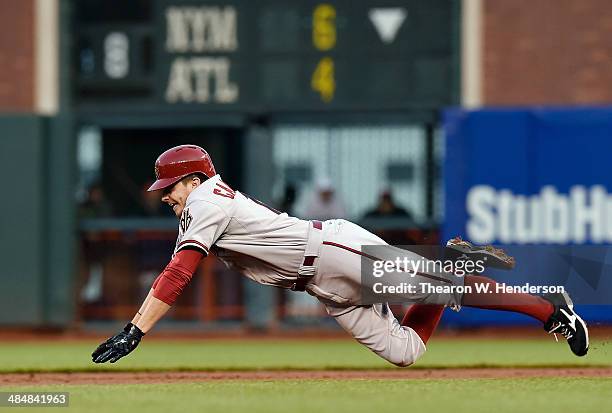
x=538, y=181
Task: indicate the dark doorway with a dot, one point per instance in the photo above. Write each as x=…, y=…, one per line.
x=129, y=156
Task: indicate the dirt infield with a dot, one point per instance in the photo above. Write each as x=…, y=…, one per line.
x=77, y=335
x=408, y=374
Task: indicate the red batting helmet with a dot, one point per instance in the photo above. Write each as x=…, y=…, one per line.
x=180, y=161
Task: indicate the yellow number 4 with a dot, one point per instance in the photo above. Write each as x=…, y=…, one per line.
x=323, y=79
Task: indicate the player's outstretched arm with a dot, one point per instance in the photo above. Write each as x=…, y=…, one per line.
x=146, y=301
x=154, y=311
x=166, y=289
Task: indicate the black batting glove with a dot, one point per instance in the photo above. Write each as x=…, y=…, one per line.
x=121, y=345
x=106, y=345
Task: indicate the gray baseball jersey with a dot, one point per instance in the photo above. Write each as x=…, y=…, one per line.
x=265, y=245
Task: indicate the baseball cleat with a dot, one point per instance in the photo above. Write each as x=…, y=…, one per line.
x=460, y=249
x=565, y=321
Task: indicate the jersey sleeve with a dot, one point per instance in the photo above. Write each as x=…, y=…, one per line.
x=200, y=226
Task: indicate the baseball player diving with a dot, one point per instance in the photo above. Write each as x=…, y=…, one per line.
x=321, y=258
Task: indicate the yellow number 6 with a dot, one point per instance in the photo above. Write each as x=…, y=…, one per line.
x=324, y=27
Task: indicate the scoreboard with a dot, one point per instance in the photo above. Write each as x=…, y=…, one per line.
x=266, y=55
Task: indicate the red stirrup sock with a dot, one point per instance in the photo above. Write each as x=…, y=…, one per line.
x=527, y=304
x=423, y=318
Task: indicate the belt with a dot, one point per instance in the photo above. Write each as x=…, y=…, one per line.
x=307, y=270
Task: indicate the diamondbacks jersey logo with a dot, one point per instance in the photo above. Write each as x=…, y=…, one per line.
x=186, y=219
x=223, y=190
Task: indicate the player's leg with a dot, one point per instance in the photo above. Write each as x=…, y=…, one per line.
x=338, y=283
x=423, y=319
x=531, y=305
x=555, y=311
x=340, y=275
x=376, y=327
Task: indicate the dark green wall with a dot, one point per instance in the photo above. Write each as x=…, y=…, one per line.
x=22, y=232
x=36, y=221
x=60, y=213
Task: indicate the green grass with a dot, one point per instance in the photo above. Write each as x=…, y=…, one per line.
x=370, y=396
x=293, y=355
x=320, y=396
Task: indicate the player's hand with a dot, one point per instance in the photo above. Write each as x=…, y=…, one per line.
x=106, y=345
x=120, y=345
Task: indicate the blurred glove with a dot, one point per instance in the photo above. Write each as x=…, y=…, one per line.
x=120, y=345
x=107, y=344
